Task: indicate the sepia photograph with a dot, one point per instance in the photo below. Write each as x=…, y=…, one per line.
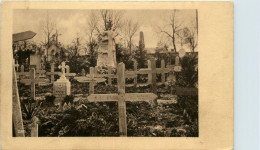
x=105, y=73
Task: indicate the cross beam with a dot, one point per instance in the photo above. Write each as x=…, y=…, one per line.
x=91, y=79
x=121, y=98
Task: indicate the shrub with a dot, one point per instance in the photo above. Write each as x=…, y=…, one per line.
x=68, y=99
x=49, y=99
x=30, y=108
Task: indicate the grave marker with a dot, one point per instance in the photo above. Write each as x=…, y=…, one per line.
x=52, y=73
x=83, y=72
x=34, y=127
x=16, y=65
x=163, y=75
x=109, y=72
x=121, y=98
x=135, y=72
x=62, y=87
x=31, y=81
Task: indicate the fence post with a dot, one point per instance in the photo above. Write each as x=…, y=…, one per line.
x=68, y=69
x=163, y=73
x=154, y=86
x=32, y=77
x=52, y=71
x=109, y=73
x=91, y=84
x=96, y=70
x=177, y=60
x=121, y=101
x=34, y=128
x=83, y=72
x=149, y=74
x=135, y=70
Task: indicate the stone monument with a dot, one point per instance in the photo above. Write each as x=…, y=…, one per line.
x=61, y=87
x=106, y=51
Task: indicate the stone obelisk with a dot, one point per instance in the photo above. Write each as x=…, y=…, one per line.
x=141, y=40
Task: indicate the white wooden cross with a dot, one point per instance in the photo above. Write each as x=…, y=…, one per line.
x=121, y=98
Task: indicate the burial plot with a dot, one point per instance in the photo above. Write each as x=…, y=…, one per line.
x=121, y=98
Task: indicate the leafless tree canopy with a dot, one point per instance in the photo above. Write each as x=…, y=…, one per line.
x=92, y=26
x=112, y=19
x=48, y=27
x=128, y=31
x=174, y=28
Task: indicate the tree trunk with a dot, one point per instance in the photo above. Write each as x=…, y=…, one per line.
x=173, y=43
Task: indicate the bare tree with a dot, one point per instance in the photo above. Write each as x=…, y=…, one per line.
x=92, y=34
x=128, y=31
x=170, y=29
x=112, y=19
x=92, y=26
x=48, y=27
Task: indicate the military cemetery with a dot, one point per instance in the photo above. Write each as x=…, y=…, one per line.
x=118, y=76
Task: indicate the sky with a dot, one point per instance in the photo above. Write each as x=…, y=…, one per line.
x=72, y=22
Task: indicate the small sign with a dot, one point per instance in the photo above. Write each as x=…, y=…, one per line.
x=89, y=79
x=177, y=68
x=139, y=96
x=102, y=97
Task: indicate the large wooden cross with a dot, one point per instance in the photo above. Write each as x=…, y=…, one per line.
x=121, y=98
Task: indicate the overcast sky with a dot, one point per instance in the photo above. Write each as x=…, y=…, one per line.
x=71, y=22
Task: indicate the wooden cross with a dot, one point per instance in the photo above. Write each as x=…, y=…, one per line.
x=110, y=75
x=121, y=98
x=52, y=73
x=91, y=79
x=68, y=74
x=32, y=81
